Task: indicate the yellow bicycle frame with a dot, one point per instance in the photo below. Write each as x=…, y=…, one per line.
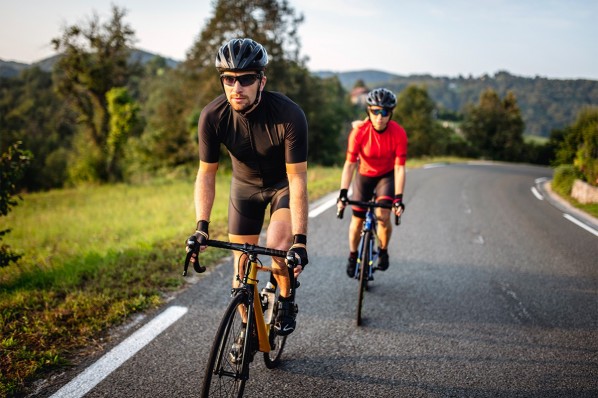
x=263, y=332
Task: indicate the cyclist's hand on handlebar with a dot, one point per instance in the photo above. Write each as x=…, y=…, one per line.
x=342, y=199
x=199, y=240
x=398, y=205
x=341, y=203
x=196, y=243
x=298, y=251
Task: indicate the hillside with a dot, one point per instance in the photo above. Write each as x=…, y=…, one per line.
x=546, y=104
x=12, y=69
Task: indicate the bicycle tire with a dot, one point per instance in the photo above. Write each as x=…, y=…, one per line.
x=363, y=274
x=222, y=377
x=277, y=342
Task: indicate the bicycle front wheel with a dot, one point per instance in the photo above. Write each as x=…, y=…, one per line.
x=228, y=369
x=366, y=255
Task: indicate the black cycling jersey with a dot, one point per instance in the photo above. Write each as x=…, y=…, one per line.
x=259, y=143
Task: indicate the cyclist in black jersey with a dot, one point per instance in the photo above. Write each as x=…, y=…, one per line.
x=265, y=134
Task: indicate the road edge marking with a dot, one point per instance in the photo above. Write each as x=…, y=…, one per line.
x=580, y=224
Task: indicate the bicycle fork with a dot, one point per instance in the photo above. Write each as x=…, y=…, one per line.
x=258, y=314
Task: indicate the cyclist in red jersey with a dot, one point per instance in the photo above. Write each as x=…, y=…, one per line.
x=265, y=134
x=377, y=150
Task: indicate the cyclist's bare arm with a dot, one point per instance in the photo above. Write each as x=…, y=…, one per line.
x=347, y=176
x=205, y=190
x=297, y=174
x=298, y=200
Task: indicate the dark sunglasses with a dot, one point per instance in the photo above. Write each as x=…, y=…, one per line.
x=244, y=80
x=384, y=112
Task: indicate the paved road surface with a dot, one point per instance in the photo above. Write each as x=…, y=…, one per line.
x=491, y=293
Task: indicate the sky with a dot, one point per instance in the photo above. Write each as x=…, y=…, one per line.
x=548, y=38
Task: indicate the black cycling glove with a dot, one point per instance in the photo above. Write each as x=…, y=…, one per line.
x=398, y=202
x=342, y=196
x=299, y=249
x=200, y=237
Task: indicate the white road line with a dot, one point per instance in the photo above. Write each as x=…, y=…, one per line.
x=433, y=165
x=322, y=208
x=541, y=180
x=537, y=193
x=97, y=372
x=580, y=224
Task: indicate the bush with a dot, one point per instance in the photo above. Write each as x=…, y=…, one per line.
x=564, y=177
x=12, y=165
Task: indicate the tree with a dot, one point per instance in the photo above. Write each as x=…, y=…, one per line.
x=579, y=145
x=123, y=117
x=415, y=112
x=31, y=112
x=12, y=164
x=327, y=109
x=94, y=59
x=495, y=128
x=272, y=23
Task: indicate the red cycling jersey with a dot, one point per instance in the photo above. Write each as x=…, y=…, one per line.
x=377, y=153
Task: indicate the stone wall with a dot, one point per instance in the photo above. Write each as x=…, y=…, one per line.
x=584, y=193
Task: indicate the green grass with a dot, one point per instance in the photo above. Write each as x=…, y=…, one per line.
x=92, y=257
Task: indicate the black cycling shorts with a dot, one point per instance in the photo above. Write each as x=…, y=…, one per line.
x=365, y=187
x=247, y=205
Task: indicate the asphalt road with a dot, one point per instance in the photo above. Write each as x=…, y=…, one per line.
x=491, y=292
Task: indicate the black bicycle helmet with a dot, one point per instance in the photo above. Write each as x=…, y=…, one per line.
x=381, y=97
x=241, y=55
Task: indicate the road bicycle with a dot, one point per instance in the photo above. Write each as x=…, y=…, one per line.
x=247, y=326
x=368, y=248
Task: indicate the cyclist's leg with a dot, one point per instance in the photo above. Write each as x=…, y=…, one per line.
x=279, y=236
x=363, y=188
x=385, y=194
x=245, y=218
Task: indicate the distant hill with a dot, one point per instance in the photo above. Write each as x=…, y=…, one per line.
x=545, y=104
x=12, y=69
x=348, y=79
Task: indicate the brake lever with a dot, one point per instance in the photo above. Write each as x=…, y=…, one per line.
x=292, y=262
x=193, y=246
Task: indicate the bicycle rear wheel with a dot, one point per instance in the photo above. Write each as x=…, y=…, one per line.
x=228, y=369
x=277, y=342
x=363, y=273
